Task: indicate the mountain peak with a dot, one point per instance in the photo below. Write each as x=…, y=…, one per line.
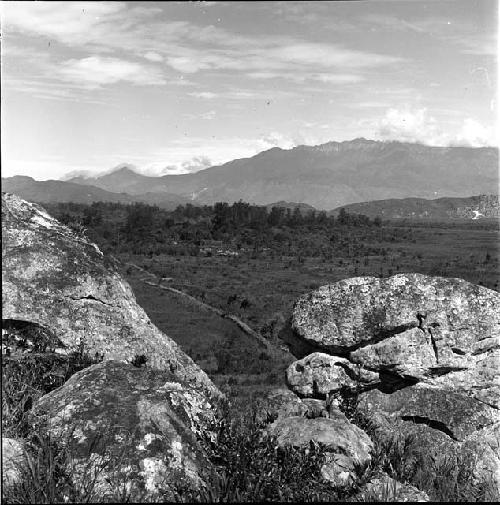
x=123, y=169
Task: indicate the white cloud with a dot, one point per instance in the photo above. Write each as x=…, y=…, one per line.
x=474, y=134
x=276, y=139
x=65, y=21
x=117, y=27
x=208, y=115
x=96, y=71
x=372, y=104
x=409, y=126
x=152, y=56
x=417, y=125
x=203, y=94
x=324, y=77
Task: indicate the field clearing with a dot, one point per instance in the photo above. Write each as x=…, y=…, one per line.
x=262, y=291
x=270, y=285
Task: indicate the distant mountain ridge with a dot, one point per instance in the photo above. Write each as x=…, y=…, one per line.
x=62, y=191
x=473, y=207
x=325, y=176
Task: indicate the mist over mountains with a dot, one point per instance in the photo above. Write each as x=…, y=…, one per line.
x=325, y=176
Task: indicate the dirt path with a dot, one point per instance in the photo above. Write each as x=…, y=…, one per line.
x=202, y=305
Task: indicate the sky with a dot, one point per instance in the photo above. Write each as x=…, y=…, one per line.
x=174, y=87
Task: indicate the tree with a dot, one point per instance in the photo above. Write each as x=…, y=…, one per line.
x=343, y=217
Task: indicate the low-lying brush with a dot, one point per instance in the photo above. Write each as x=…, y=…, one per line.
x=250, y=466
x=27, y=377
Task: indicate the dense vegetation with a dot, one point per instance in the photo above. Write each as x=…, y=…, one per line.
x=149, y=230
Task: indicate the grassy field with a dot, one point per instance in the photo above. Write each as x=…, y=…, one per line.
x=261, y=291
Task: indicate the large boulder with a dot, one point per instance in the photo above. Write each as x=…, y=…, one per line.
x=346, y=445
x=353, y=312
x=422, y=353
x=143, y=428
x=61, y=283
x=443, y=331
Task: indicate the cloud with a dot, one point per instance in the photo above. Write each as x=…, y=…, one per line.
x=95, y=71
x=481, y=45
x=276, y=139
x=203, y=94
x=298, y=77
x=116, y=27
x=67, y=22
x=474, y=134
x=460, y=33
x=417, y=125
x=408, y=126
x=208, y=115
x=152, y=56
x=372, y=104
x=186, y=64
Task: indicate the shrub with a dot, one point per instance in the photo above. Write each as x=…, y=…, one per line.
x=250, y=466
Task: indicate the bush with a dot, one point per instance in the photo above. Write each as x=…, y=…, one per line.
x=251, y=467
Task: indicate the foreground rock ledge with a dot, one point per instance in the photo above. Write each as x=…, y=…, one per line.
x=62, y=282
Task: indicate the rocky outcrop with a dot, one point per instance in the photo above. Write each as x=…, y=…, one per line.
x=62, y=283
x=414, y=355
x=138, y=424
x=445, y=332
x=347, y=446
x=123, y=424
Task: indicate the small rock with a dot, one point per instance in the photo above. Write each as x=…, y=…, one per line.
x=279, y=403
x=347, y=445
x=386, y=489
x=13, y=459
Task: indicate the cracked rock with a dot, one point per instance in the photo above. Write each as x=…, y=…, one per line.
x=61, y=282
x=351, y=313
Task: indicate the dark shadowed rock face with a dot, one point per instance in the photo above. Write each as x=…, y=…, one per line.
x=455, y=415
x=63, y=283
x=141, y=428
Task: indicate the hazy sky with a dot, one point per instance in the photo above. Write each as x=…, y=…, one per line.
x=171, y=87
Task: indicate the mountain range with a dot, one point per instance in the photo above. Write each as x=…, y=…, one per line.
x=440, y=209
x=62, y=191
x=325, y=176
